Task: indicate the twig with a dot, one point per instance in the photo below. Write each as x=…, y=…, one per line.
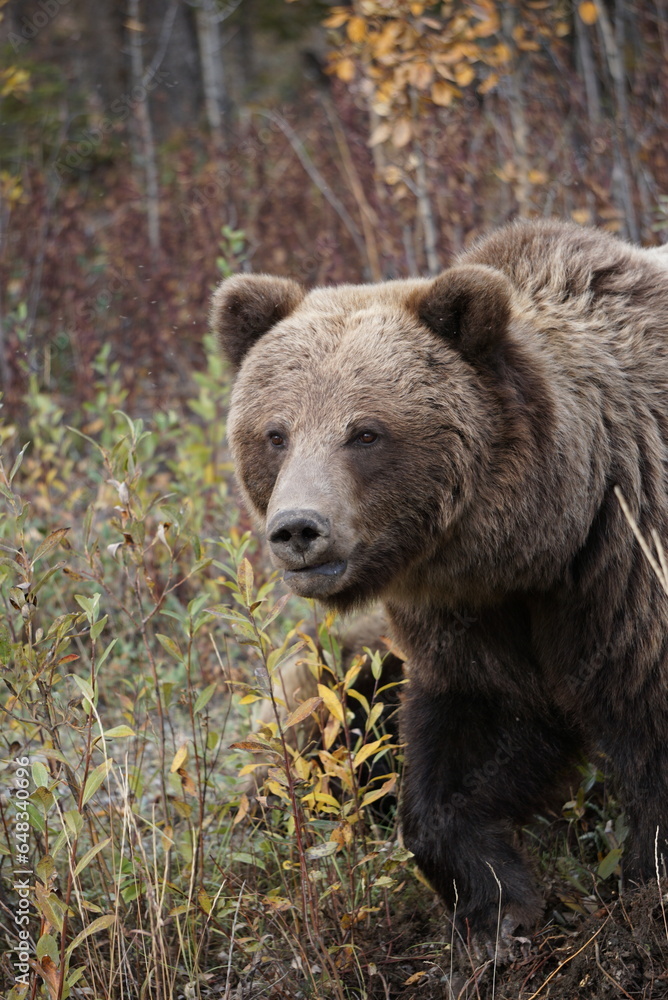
x=569, y=959
x=663, y=580
x=658, y=880
x=163, y=42
x=607, y=974
x=234, y=928
x=660, y=552
x=145, y=128
x=425, y=207
x=317, y=178
x=498, y=928
x=452, y=938
x=368, y=217
x=624, y=149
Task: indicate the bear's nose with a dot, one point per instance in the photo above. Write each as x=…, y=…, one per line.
x=298, y=532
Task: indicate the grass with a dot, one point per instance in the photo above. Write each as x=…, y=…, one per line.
x=136, y=640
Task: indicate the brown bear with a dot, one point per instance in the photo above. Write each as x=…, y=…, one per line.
x=452, y=447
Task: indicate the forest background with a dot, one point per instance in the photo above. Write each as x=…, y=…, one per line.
x=149, y=149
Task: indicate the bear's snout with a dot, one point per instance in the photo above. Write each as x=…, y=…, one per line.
x=298, y=533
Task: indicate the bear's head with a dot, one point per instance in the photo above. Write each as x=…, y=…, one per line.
x=363, y=419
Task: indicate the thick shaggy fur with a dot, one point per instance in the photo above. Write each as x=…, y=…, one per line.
x=452, y=447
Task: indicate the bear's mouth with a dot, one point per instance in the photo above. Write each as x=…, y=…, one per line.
x=319, y=580
x=335, y=568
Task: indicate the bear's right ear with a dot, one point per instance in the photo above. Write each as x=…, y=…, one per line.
x=470, y=306
x=246, y=306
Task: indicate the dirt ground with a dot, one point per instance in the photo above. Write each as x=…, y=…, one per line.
x=620, y=950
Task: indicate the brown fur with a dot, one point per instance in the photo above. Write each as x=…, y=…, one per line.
x=452, y=447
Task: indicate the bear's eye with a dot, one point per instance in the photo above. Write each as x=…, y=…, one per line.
x=367, y=437
x=276, y=439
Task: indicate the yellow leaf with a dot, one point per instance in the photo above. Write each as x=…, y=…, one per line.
x=487, y=27
x=242, y=812
x=275, y=789
x=11, y=190
x=245, y=580
x=248, y=699
x=352, y=693
x=14, y=81
x=187, y=783
x=588, y=12
x=380, y=134
x=502, y=53
x=464, y=74
x=488, y=84
x=342, y=834
x=336, y=20
x=417, y=9
x=582, y=216
x=372, y=797
x=332, y=730
x=368, y=749
x=302, y=712
x=180, y=757
x=452, y=55
x=415, y=978
x=387, y=39
x=302, y=768
x=528, y=45
x=253, y=745
x=326, y=798
x=345, y=70
x=356, y=29
x=248, y=769
x=421, y=75
x=402, y=133
x=507, y=173
x=332, y=702
x=352, y=673
x=442, y=94
x=374, y=715
x=537, y=177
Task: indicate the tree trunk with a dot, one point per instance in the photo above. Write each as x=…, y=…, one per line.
x=208, y=36
x=588, y=72
x=516, y=111
x=147, y=157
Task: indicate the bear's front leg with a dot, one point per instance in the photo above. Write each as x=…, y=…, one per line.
x=636, y=746
x=475, y=769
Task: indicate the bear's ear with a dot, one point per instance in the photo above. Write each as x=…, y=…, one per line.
x=246, y=306
x=470, y=306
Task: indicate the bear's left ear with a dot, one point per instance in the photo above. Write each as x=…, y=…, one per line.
x=246, y=306
x=470, y=306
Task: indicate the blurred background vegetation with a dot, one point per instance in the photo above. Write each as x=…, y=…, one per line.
x=142, y=141
x=149, y=149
